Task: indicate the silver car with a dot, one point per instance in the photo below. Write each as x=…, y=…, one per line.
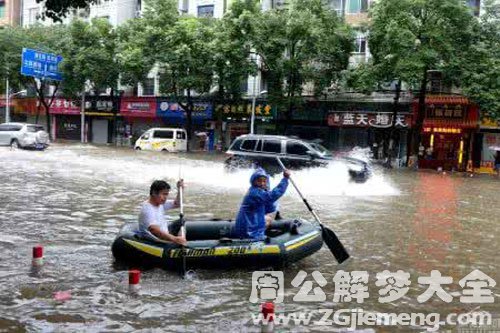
x=23, y=135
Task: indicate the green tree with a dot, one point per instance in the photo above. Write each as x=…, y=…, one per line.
x=482, y=64
x=134, y=61
x=184, y=59
x=232, y=46
x=89, y=58
x=46, y=39
x=304, y=43
x=410, y=37
x=180, y=47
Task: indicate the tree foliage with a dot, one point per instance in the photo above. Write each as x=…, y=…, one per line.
x=481, y=66
x=410, y=37
x=89, y=57
x=304, y=43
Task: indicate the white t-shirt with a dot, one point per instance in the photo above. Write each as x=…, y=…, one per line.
x=153, y=215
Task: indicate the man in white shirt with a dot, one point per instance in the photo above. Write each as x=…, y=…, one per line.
x=152, y=222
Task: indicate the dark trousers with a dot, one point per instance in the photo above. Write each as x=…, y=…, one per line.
x=174, y=227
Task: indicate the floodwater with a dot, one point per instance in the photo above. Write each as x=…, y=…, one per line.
x=73, y=199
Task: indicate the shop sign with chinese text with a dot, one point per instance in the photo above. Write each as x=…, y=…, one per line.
x=365, y=119
x=446, y=111
x=262, y=110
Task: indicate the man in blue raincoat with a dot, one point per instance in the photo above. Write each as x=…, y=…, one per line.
x=259, y=201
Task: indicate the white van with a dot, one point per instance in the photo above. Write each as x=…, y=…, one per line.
x=163, y=139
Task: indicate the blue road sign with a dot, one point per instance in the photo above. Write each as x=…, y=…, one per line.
x=41, y=65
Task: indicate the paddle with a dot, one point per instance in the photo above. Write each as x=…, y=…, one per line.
x=183, y=228
x=329, y=236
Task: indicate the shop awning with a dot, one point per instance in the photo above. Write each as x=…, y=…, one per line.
x=443, y=99
x=450, y=123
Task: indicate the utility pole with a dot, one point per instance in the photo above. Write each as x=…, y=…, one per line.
x=7, y=101
x=82, y=112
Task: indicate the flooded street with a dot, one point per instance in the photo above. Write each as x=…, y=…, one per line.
x=73, y=199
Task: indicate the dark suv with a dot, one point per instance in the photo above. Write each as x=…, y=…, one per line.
x=261, y=150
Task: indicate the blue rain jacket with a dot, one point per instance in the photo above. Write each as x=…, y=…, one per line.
x=250, y=222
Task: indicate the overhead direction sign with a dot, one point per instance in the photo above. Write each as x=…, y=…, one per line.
x=41, y=65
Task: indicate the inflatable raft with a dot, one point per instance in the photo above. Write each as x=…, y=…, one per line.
x=209, y=246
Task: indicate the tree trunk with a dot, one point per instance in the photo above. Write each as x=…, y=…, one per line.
x=395, y=107
x=417, y=129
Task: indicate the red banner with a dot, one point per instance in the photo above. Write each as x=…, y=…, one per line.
x=64, y=106
x=144, y=107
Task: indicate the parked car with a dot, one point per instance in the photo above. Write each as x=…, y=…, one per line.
x=261, y=150
x=163, y=139
x=23, y=135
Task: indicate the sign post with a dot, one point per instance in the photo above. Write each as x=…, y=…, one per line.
x=43, y=66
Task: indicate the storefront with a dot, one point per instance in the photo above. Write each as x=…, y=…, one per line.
x=487, y=138
x=372, y=130
x=27, y=109
x=137, y=114
x=100, y=112
x=235, y=120
x=66, y=120
x=447, y=134
x=173, y=115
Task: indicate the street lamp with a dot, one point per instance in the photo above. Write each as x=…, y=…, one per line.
x=7, y=100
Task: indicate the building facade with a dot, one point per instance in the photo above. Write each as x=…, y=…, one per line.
x=10, y=12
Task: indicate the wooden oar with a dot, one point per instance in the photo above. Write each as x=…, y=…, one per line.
x=183, y=228
x=329, y=236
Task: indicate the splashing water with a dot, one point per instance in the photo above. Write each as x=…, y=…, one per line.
x=141, y=168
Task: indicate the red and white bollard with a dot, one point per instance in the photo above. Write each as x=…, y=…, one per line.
x=134, y=277
x=267, y=310
x=37, y=255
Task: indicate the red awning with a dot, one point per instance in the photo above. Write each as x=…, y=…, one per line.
x=450, y=123
x=446, y=99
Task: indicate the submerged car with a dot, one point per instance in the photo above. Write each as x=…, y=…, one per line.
x=253, y=150
x=23, y=135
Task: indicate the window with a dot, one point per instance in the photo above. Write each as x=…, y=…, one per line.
x=357, y=6
x=206, y=11
x=296, y=148
x=34, y=129
x=272, y=146
x=2, y=10
x=360, y=45
x=248, y=145
x=148, y=87
x=259, y=145
x=338, y=6
x=474, y=5
x=10, y=128
x=163, y=134
x=181, y=135
x=33, y=15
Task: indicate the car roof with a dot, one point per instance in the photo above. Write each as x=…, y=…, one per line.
x=269, y=136
x=165, y=128
x=263, y=136
x=22, y=124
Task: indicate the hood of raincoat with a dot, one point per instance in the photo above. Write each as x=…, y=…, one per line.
x=257, y=174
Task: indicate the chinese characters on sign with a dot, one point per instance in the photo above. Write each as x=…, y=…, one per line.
x=378, y=120
x=41, y=65
x=448, y=111
x=353, y=286
x=261, y=110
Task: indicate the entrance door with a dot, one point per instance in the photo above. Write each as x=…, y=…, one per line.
x=99, y=131
x=447, y=148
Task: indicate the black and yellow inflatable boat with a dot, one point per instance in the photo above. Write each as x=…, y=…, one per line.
x=209, y=246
